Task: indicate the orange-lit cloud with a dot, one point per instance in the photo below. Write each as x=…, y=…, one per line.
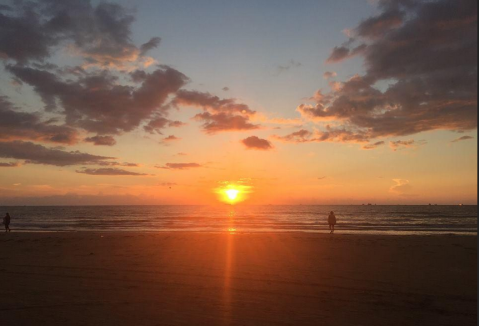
x=110, y=171
x=254, y=142
x=179, y=166
x=373, y=146
x=399, y=144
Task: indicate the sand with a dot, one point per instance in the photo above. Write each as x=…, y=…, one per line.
x=236, y=279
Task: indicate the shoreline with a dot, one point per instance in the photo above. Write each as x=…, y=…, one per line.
x=319, y=232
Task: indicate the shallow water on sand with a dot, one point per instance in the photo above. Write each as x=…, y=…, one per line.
x=351, y=219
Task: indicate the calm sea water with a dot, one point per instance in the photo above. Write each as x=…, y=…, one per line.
x=351, y=219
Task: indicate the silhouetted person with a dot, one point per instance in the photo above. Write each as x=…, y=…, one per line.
x=331, y=221
x=6, y=222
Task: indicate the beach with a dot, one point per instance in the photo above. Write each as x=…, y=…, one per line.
x=194, y=278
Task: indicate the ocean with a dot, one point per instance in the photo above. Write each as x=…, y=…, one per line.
x=241, y=218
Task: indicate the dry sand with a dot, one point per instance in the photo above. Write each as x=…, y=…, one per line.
x=236, y=279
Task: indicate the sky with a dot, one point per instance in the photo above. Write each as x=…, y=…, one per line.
x=172, y=102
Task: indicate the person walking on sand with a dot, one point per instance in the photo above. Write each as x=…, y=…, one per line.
x=331, y=221
x=6, y=222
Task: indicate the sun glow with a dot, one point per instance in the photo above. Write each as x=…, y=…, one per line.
x=233, y=193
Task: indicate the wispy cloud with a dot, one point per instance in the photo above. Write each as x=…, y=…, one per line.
x=110, y=171
x=179, y=166
x=461, y=139
x=373, y=146
x=401, y=144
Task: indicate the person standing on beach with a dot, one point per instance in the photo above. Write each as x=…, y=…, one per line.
x=6, y=222
x=331, y=221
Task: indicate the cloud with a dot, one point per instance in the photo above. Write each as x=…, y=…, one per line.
x=412, y=50
x=254, y=142
x=179, y=166
x=402, y=187
x=225, y=89
x=100, y=34
x=341, y=53
x=461, y=139
x=97, y=102
x=400, y=144
x=113, y=163
x=321, y=178
x=373, y=146
x=329, y=74
x=155, y=125
x=9, y=164
x=169, y=139
x=38, y=154
x=330, y=134
x=219, y=114
x=151, y=44
x=15, y=124
x=101, y=140
x=300, y=136
x=109, y=171
x=290, y=65
x=378, y=26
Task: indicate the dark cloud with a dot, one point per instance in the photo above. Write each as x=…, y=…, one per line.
x=400, y=144
x=300, y=136
x=218, y=122
x=329, y=135
x=100, y=33
x=155, y=125
x=97, y=102
x=179, y=166
x=226, y=89
x=38, y=154
x=15, y=124
x=113, y=163
x=9, y=164
x=373, y=146
x=461, y=139
x=421, y=71
x=109, y=171
x=254, y=142
x=377, y=26
x=101, y=140
x=342, y=52
x=151, y=44
x=219, y=114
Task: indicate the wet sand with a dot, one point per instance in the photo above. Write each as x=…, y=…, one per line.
x=236, y=279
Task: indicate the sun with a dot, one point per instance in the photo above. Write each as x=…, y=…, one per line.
x=232, y=194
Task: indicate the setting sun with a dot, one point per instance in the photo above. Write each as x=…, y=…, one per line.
x=232, y=194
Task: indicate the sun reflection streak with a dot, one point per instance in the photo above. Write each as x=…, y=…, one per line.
x=227, y=296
